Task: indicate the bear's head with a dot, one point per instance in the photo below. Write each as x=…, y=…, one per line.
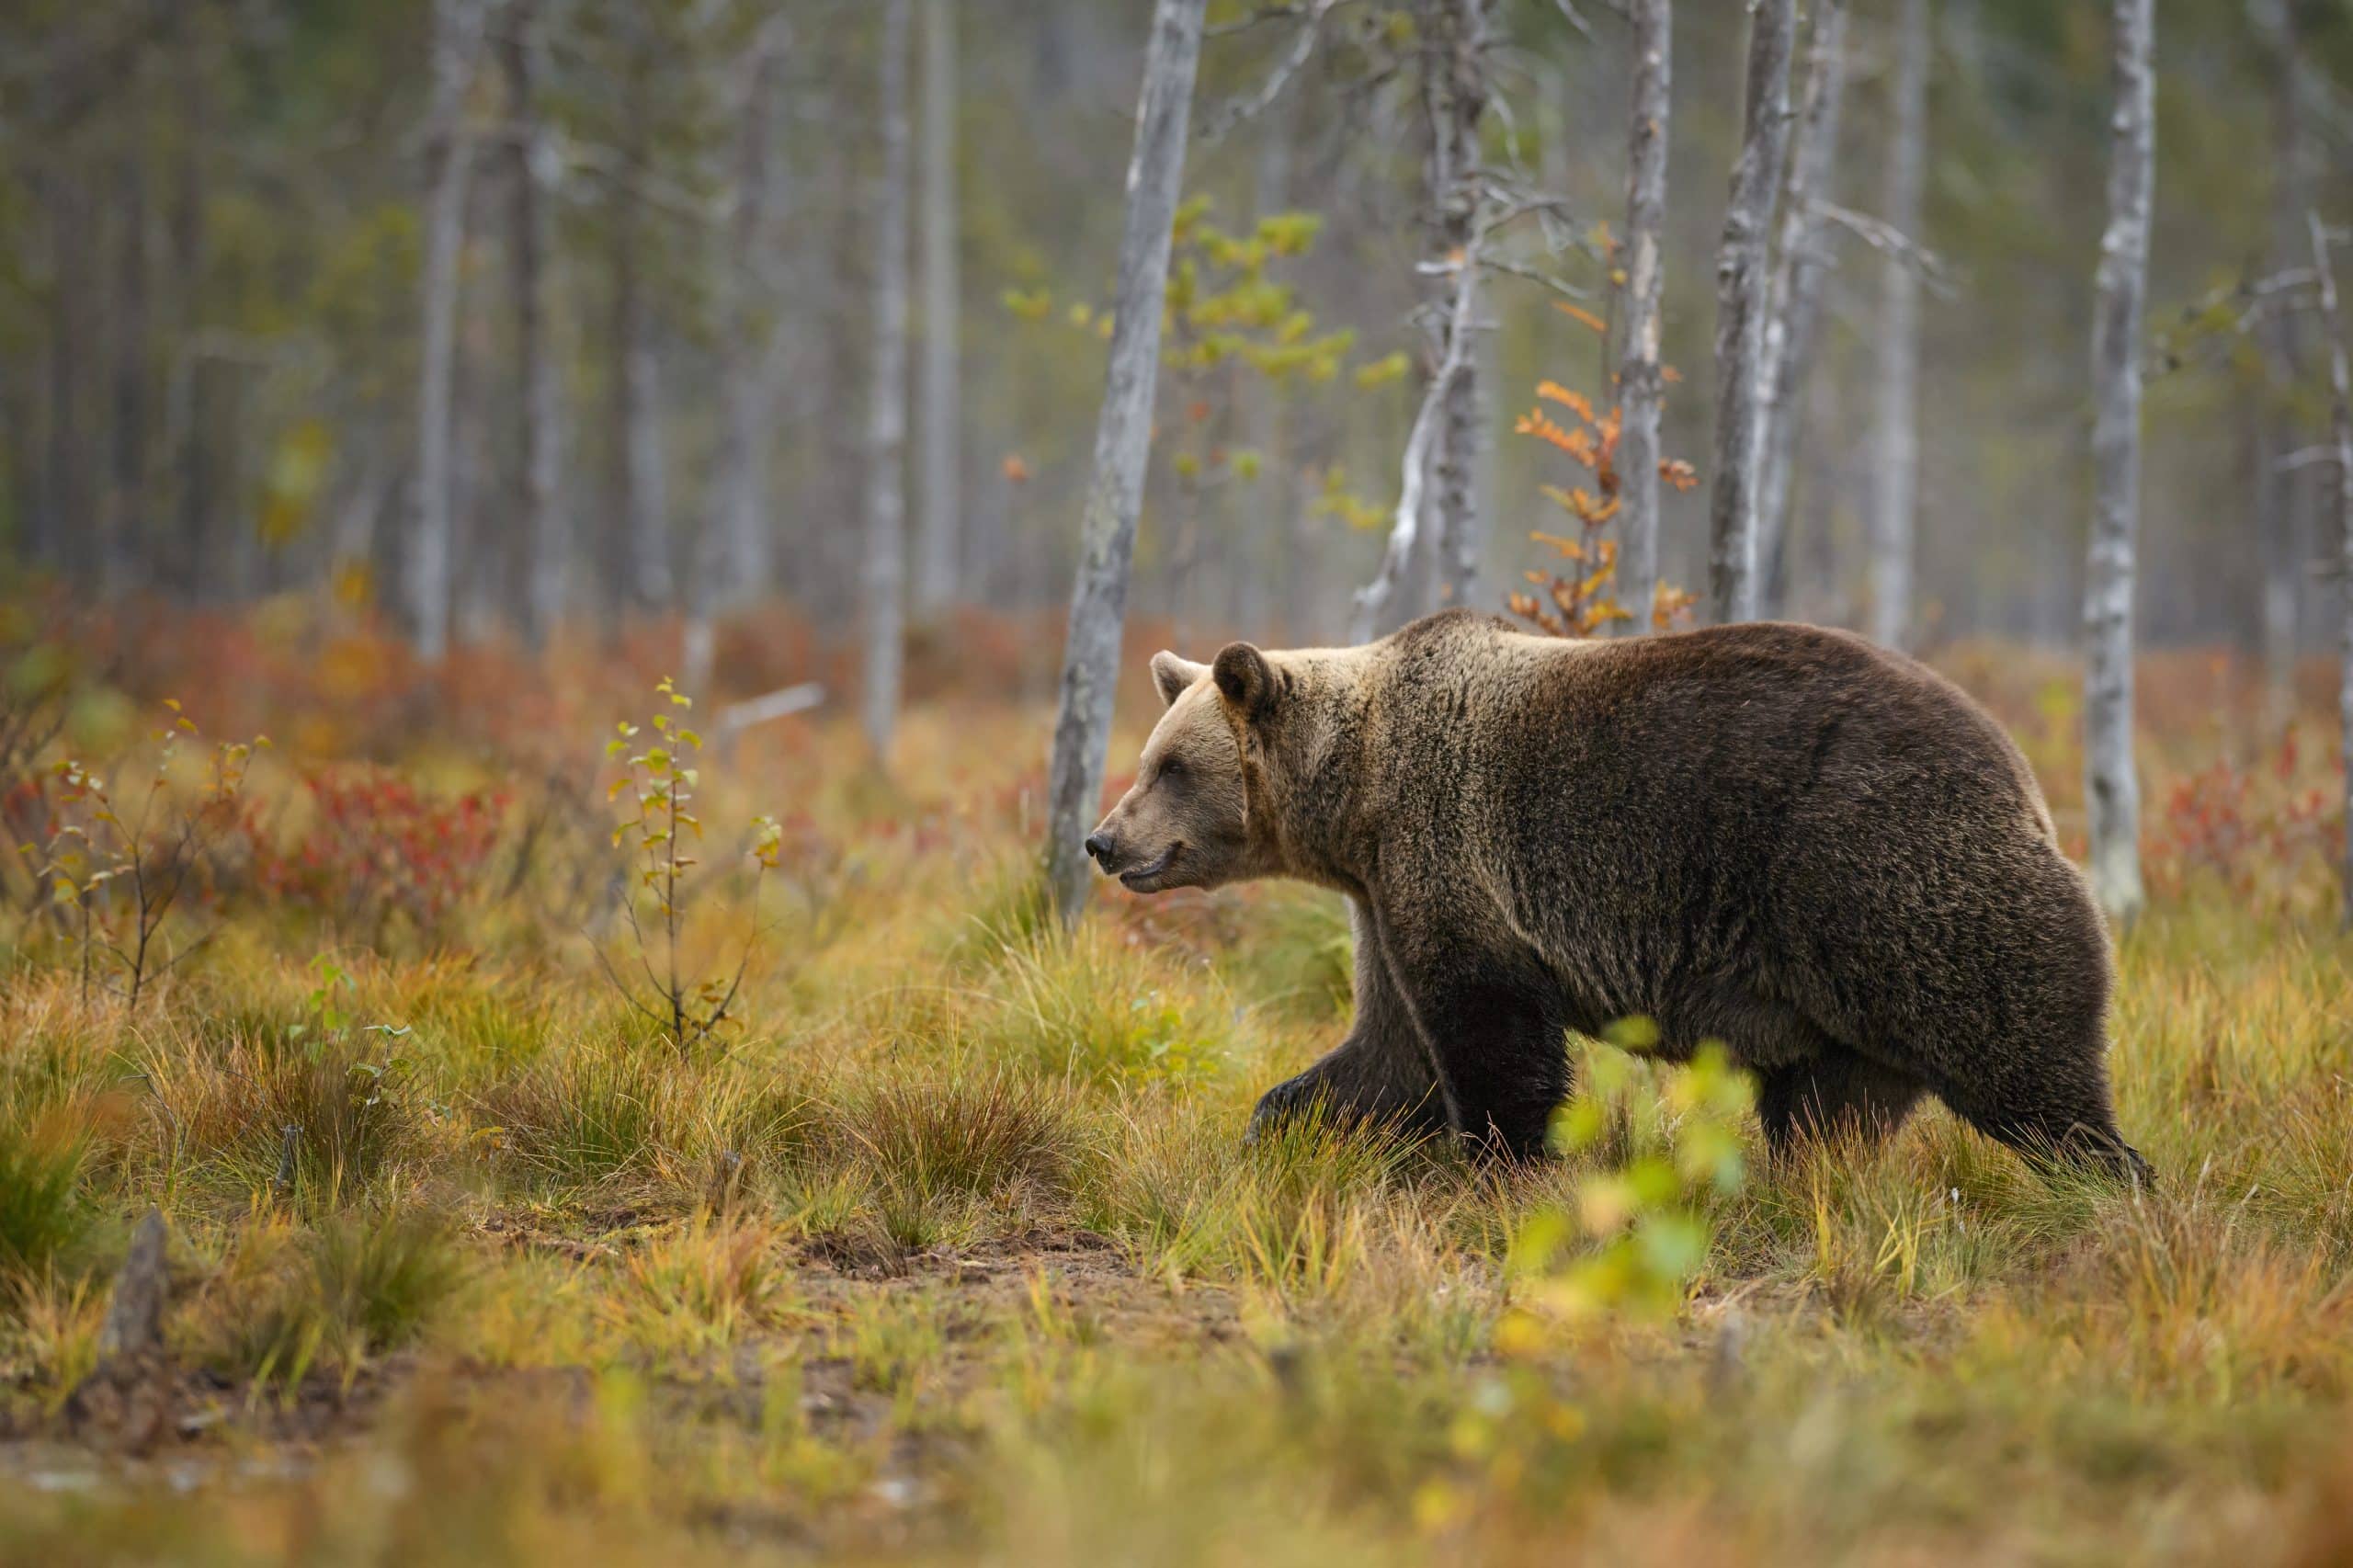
x=1187, y=821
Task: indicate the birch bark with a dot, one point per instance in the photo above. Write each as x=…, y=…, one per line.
x=2111, y=793
x=1743, y=284
x=886, y=426
x=1895, y=439
x=1640, y=386
x=1122, y=443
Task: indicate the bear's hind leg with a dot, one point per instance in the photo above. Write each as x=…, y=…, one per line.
x=2052, y=1112
x=1836, y=1094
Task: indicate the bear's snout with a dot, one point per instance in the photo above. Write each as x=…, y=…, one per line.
x=1099, y=848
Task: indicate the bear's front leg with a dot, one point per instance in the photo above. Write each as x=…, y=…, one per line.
x=1380, y=1075
x=1495, y=1029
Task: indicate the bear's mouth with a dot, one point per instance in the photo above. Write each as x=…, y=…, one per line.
x=1135, y=877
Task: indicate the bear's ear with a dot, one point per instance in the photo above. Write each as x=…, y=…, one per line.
x=1246, y=680
x=1173, y=675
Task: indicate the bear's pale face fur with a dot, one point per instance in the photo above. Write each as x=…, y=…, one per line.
x=1186, y=821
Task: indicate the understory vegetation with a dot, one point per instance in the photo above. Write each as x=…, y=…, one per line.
x=934, y=1238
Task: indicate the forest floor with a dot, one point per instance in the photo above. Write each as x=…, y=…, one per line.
x=951, y=1251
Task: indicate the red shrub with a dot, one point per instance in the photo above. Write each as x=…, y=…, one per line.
x=377, y=851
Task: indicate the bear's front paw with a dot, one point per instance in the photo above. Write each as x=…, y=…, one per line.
x=1280, y=1104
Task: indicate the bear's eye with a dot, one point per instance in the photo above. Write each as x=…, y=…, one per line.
x=1171, y=768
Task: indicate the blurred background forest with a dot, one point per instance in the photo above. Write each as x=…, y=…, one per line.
x=217, y=224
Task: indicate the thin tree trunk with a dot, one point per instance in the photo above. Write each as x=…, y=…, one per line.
x=1895, y=438
x=1800, y=271
x=2276, y=494
x=2111, y=793
x=938, y=543
x=646, y=519
x=65, y=520
x=886, y=430
x=1406, y=527
x=191, y=118
x=456, y=37
x=127, y=501
x=546, y=530
x=1640, y=387
x=2340, y=409
x=1744, y=280
x=1454, y=62
x=733, y=562
x=1122, y=443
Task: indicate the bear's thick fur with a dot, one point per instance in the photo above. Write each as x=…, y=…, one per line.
x=1779, y=836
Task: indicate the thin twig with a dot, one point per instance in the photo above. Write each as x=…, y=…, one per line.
x=1217, y=126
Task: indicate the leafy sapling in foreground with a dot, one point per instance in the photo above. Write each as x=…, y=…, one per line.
x=119, y=879
x=657, y=782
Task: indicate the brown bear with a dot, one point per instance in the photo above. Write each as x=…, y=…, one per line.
x=1782, y=837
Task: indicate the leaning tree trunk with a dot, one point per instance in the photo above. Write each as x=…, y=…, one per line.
x=1742, y=283
x=1895, y=440
x=2340, y=387
x=2111, y=791
x=886, y=430
x=1798, y=273
x=1122, y=442
x=547, y=538
x=457, y=36
x=1640, y=388
x=939, y=541
x=1454, y=66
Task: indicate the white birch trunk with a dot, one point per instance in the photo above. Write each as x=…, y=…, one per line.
x=2277, y=494
x=546, y=528
x=2340, y=386
x=1455, y=62
x=2111, y=793
x=457, y=41
x=732, y=555
x=1122, y=444
x=939, y=537
x=1744, y=279
x=1405, y=526
x=1640, y=388
x=1799, y=274
x=886, y=429
x=645, y=522
x=1895, y=438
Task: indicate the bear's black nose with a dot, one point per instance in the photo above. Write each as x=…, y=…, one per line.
x=1098, y=845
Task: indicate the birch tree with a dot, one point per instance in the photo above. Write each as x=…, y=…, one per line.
x=1441, y=451
x=2277, y=491
x=2340, y=409
x=886, y=428
x=1640, y=387
x=1122, y=443
x=939, y=538
x=2111, y=793
x=546, y=528
x=1800, y=269
x=733, y=556
x=1895, y=438
x=457, y=28
x=1455, y=92
x=1743, y=284
x=637, y=389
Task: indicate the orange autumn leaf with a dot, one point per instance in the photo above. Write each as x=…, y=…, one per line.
x=1582, y=316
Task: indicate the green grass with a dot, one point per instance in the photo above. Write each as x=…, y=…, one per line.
x=951, y=1252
